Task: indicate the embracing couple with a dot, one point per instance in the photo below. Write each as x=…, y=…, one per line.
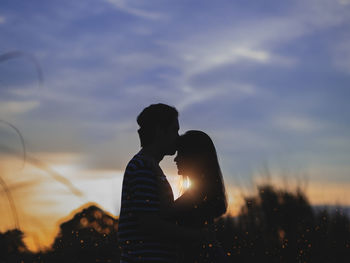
x=153, y=227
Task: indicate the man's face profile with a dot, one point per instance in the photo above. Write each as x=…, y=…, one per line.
x=169, y=137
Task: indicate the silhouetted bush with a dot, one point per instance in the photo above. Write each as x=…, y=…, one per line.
x=280, y=226
x=12, y=247
x=91, y=236
x=273, y=226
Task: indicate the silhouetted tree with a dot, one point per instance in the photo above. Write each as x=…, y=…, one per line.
x=90, y=236
x=12, y=247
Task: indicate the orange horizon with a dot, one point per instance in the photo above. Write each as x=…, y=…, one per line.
x=36, y=242
x=43, y=203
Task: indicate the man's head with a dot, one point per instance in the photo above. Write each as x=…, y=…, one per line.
x=159, y=126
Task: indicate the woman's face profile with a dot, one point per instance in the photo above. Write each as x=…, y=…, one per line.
x=185, y=164
x=180, y=161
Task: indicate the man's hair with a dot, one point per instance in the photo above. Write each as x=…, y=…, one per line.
x=155, y=115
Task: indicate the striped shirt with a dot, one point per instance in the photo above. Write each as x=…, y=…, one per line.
x=146, y=190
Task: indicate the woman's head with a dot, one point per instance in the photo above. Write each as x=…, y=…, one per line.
x=196, y=158
x=195, y=154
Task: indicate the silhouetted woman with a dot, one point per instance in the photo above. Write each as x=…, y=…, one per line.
x=205, y=199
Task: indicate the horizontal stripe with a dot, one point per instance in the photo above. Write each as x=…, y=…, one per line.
x=133, y=221
x=141, y=183
x=131, y=166
x=141, y=209
x=140, y=187
x=138, y=160
x=145, y=194
x=146, y=197
x=143, y=172
x=141, y=201
x=135, y=207
x=129, y=176
x=142, y=179
x=121, y=225
x=121, y=229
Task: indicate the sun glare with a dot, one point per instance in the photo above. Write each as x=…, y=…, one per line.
x=179, y=184
x=186, y=183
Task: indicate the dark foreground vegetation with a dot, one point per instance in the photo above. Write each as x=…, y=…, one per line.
x=273, y=226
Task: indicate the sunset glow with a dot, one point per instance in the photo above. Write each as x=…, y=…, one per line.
x=267, y=80
x=43, y=203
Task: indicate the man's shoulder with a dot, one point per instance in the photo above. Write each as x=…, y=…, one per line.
x=139, y=166
x=138, y=161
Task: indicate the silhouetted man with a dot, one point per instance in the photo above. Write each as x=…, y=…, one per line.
x=143, y=235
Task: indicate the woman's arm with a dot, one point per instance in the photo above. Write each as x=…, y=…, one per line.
x=199, y=206
x=185, y=204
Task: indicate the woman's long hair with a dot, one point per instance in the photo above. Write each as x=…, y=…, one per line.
x=198, y=148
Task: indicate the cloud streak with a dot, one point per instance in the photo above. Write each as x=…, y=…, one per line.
x=124, y=6
x=2, y=20
x=10, y=108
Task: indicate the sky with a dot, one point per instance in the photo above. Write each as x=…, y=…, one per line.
x=267, y=80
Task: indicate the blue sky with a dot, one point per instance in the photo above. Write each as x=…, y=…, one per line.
x=267, y=80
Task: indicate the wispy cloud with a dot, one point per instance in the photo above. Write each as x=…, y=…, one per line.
x=344, y=2
x=10, y=108
x=2, y=20
x=300, y=124
x=341, y=55
x=213, y=57
x=193, y=95
x=125, y=6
